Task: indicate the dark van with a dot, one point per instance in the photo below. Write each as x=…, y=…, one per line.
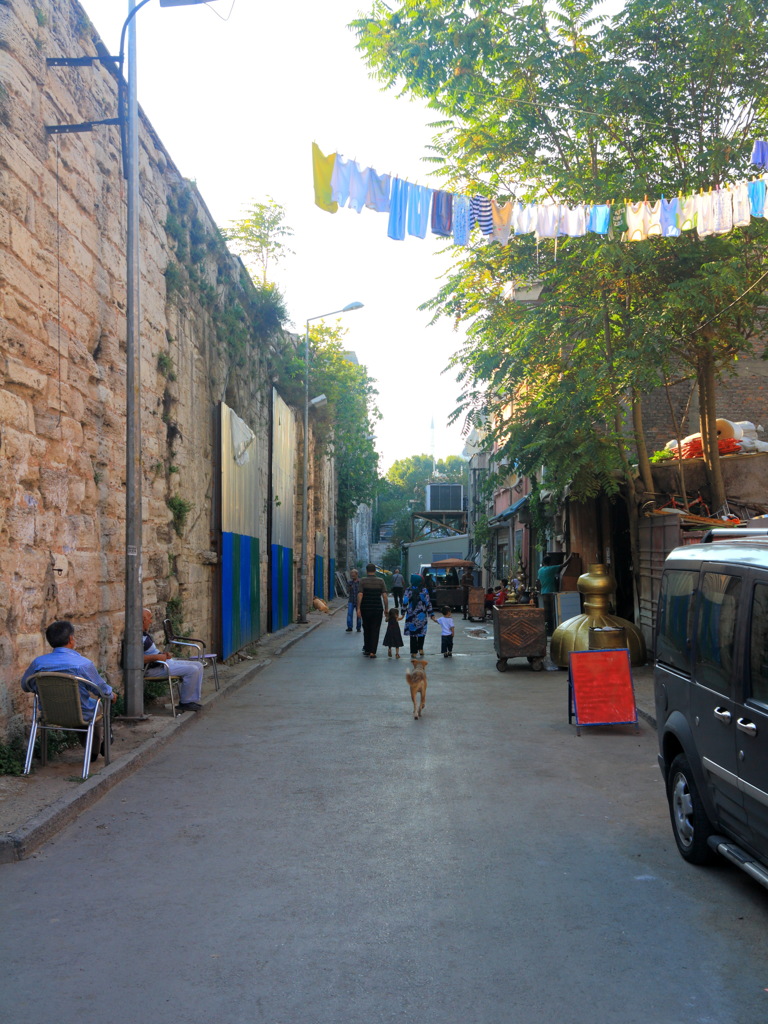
x=711, y=693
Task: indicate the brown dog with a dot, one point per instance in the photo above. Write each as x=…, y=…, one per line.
x=417, y=681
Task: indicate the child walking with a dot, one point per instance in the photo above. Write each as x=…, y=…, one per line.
x=393, y=637
x=446, y=632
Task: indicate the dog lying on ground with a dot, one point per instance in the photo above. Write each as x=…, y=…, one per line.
x=320, y=605
x=417, y=681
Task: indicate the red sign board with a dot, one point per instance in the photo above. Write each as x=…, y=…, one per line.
x=600, y=688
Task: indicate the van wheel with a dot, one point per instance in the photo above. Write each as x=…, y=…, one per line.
x=690, y=823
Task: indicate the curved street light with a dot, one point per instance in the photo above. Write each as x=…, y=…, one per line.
x=320, y=400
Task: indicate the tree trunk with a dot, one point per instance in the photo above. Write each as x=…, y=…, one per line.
x=629, y=476
x=708, y=418
x=644, y=462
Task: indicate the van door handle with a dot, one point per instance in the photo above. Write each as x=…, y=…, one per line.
x=722, y=715
x=744, y=725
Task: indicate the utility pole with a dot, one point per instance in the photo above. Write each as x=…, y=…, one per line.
x=134, y=652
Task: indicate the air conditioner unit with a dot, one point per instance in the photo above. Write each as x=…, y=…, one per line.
x=445, y=498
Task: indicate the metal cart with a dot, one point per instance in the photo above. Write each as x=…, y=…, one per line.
x=520, y=631
x=476, y=603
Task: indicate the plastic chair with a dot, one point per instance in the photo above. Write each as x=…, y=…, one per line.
x=160, y=670
x=198, y=645
x=57, y=706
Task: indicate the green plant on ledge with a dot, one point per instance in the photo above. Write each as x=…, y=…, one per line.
x=180, y=509
x=174, y=610
x=165, y=366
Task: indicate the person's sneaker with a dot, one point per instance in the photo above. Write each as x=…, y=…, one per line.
x=190, y=706
x=349, y=629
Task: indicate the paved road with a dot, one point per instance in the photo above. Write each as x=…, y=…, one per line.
x=308, y=854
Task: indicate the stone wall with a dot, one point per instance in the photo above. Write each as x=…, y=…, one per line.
x=205, y=336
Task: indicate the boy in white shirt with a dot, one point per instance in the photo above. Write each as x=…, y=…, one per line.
x=446, y=632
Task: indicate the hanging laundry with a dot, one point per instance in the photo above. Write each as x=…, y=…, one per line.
x=398, y=205
x=461, y=220
x=599, y=219
x=527, y=217
x=573, y=221
x=548, y=220
x=669, y=217
x=687, y=214
x=340, y=180
x=358, y=186
x=637, y=221
x=419, y=199
x=653, y=227
x=322, y=172
x=759, y=153
x=379, y=187
x=722, y=211
x=756, y=191
x=705, y=215
x=502, y=222
x=741, y=207
x=442, y=213
x=618, y=226
x=480, y=213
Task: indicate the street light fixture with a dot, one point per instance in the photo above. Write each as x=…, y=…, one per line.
x=320, y=400
x=134, y=654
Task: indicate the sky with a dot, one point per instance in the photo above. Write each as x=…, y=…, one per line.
x=237, y=92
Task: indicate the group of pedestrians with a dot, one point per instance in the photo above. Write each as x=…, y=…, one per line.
x=368, y=601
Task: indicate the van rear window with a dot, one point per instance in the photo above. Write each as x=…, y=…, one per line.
x=673, y=618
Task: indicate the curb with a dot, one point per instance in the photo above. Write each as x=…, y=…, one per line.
x=16, y=845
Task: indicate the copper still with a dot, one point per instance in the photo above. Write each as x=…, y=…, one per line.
x=597, y=586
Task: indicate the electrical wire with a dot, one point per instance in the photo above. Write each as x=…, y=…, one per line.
x=730, y=304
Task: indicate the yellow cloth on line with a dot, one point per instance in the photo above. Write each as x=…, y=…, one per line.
x=322, y=169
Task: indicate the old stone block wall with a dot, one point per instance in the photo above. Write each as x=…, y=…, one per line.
x=204, y=339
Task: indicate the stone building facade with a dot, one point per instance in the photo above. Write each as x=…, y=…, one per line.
x=207, y=336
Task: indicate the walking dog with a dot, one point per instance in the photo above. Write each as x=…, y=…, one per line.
x=417, y=681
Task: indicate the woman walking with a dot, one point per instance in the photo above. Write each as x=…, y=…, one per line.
x=418, y=610
x=372, y=603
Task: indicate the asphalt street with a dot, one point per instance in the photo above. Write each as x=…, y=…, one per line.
x=307, y=853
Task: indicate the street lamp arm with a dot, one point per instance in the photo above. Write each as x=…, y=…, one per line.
x=121, y=52
x=347, y=309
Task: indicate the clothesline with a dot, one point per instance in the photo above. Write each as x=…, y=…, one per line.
x=414, y=208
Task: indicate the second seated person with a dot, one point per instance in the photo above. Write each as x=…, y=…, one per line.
x=190, y=672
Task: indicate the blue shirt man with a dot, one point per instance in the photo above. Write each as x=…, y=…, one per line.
x=64, y=658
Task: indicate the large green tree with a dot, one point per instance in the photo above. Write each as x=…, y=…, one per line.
x=557, y=101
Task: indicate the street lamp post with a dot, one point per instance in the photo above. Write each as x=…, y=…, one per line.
x=134, y=653
x=303, y=605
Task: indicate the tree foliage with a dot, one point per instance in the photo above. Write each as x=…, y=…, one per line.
x=259, y=236
x=558, y=101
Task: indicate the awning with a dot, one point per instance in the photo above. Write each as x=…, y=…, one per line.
x=507, y=514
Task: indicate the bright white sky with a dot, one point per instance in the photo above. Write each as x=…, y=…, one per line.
x=237, y=103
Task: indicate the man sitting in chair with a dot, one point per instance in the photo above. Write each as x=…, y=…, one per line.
x=190, y=672
x=64, y=658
